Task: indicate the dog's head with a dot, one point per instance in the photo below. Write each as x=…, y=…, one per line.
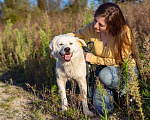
x=65, y=47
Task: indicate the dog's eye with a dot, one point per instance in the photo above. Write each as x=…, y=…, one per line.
x=60, y=44
x=70, y=43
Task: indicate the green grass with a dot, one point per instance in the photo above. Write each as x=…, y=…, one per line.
x=9, y=99
x=4, y=105
x=7, y=90
x=6, y=85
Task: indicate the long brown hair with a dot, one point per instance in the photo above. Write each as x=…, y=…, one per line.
x=117, y=26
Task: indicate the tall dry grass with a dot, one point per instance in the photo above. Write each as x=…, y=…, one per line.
x=138, y=17
x=25, y=53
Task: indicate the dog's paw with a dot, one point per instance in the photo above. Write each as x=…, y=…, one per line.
x=64, y=108
x=88, y=113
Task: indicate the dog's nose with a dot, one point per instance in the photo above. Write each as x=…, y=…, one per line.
x=67, y=49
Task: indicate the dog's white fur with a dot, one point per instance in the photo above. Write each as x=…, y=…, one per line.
x=72, y=69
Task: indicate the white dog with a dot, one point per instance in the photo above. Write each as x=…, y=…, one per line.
x=70, y=65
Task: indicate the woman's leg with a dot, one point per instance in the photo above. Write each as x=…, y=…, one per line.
x=103, y=101
x=109, y=76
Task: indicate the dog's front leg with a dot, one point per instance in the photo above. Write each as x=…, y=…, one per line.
x=62, y=92
x=83, y=89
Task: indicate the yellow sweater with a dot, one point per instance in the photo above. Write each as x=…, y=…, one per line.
x=104, y=55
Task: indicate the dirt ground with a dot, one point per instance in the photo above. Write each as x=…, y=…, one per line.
x=15, y=104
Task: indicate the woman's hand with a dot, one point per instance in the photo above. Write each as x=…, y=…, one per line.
x=88, y=56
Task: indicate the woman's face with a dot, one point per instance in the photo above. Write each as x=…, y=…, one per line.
x=100, y=24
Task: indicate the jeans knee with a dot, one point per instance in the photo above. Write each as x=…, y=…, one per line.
x=109, y=76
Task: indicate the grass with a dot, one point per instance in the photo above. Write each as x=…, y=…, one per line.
x=26, y=60
x=5, y=105
x=5, y=85
x=9, y=99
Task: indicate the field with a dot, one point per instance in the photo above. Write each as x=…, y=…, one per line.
x=25, y=61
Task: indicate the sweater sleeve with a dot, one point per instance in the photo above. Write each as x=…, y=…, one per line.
x=102, y=61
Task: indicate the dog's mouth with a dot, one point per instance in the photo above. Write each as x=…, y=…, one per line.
x=67, y=57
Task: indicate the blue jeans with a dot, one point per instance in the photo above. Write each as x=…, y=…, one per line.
x=109, y=77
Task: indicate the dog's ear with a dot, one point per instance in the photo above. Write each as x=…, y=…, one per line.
x=52, y=44
x=81, y=41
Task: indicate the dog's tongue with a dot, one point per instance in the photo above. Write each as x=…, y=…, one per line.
x=67, y=57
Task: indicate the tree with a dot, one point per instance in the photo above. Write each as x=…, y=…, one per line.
x=102, y=1
x=1, y=8
x=10, y=3
x=54, y=5
x=15, y=9
x=75, y=5
x=42, y=4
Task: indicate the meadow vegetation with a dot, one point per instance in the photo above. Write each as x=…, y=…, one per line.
x=25, y=59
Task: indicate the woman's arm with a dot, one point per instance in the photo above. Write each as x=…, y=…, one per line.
x=102, y=61
x=89, y=57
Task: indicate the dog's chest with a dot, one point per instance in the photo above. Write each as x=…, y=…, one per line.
x=71, y=71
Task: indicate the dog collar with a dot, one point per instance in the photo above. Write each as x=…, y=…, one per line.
x=80, y=45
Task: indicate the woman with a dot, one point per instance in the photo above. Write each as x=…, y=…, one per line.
x=112, y=39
